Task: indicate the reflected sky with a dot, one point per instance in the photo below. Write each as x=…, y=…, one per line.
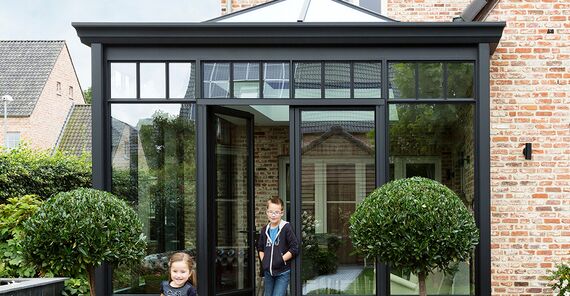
x=131, y=114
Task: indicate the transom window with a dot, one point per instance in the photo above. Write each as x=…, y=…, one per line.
x=153, y=80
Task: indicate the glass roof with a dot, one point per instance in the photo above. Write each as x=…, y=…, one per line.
x=304, y=11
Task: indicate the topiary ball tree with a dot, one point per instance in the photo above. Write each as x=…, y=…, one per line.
x=76, y=231
x=415, y=224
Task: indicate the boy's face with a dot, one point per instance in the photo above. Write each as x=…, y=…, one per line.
x=274, y=213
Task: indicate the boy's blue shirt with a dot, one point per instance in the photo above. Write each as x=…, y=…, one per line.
x=273, y=232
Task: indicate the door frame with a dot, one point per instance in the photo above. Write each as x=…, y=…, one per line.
x=211, y=196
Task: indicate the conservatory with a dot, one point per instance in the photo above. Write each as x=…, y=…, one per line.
x=198, y=124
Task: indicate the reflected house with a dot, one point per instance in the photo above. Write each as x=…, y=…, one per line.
x=212, y=119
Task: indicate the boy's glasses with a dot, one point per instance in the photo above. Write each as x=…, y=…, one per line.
x=274, y=213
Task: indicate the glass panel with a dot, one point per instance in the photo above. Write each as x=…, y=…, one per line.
x=402, y=80
x=246, y=80
x=153, y=80
x=216, y=80
x=232, y=244
x=337, y=80
x=276, y=80
x=123, y=80
x=367, y=77
x=430, y=80
x=337, y=162
x=340, y=182
x=181, y=80
x=460, y=80
x=154, y=169
x=307, y=80
x=435, y=141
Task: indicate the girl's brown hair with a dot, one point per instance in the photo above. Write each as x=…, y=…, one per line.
x=181, y=256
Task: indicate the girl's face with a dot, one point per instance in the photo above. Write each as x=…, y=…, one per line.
x=179, y=273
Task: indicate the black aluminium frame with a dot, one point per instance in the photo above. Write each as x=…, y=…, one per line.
x=241, y=42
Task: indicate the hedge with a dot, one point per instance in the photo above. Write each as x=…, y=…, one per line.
x=24, y=171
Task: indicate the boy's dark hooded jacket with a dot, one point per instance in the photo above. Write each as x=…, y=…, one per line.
x=273, y=251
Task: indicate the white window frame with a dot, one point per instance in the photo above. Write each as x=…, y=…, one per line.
x=321, y=163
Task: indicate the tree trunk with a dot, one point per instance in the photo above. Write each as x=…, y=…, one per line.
x=91, y=278
x=422, y=283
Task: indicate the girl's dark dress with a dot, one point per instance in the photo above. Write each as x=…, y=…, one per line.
x=186, y=290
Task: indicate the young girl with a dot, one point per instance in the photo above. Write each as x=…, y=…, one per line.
x=181, y=276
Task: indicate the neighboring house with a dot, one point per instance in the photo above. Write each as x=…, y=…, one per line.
x=40, y=77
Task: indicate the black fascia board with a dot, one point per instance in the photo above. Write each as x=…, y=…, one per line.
x=252, y=34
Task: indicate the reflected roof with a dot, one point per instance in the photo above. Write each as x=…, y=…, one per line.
x=304, y=11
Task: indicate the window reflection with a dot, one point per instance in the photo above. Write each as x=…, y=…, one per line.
x=123, y=80
x=153, y=168
x=276, y=80
x=308, y=80
x=181, y=77
x=337, y=172
x=460, y=80
x=216, y=80
x=153, y=80
x=430, y=80
x=246, y=80
x=367, y=77
x=437, y=142
x=337, y=80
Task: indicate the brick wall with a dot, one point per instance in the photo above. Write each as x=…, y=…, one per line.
x=530, y=73
x=239, y=4
x=425, y=10
x=53, y=107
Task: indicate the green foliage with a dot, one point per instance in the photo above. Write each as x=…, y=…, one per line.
x=415, y=224
x=25, y=171
x=88, y=95
x=421, y=128
x=76, y=286
x=12, y=216
x=560, y=280
x=325, y=262
x=76, y=231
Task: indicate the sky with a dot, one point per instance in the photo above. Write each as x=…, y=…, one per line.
x=51, y=20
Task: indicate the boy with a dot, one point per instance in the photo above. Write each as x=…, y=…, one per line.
x=277, y=245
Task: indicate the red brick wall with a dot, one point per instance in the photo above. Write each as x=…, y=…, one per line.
x=425, y=10
x=239, y=4
x=530, y=73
